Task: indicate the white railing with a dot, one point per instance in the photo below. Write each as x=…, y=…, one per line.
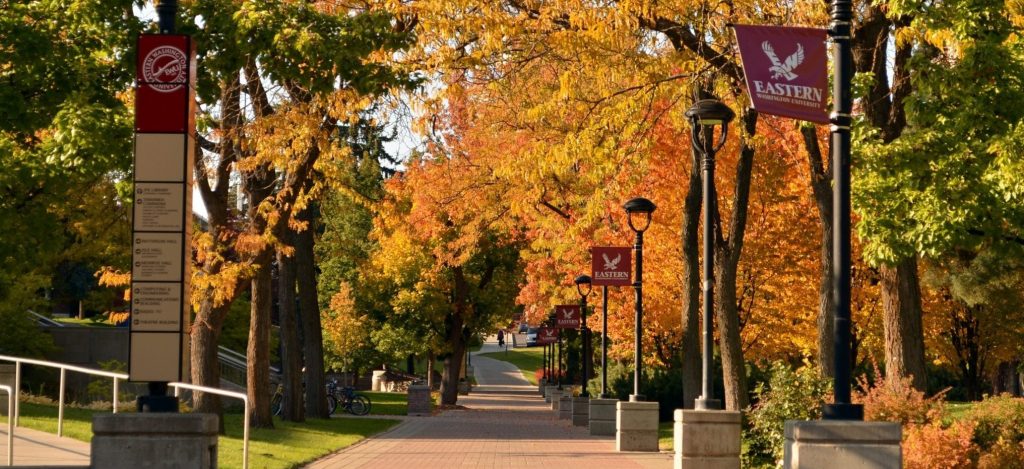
x=237, y=395
x=63, y=373
x=10, y=423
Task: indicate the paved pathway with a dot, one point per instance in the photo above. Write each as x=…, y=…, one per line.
x=35, y=448
x=505, y=424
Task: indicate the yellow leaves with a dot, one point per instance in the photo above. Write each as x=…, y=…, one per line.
x=118, y=317
x=109, y=277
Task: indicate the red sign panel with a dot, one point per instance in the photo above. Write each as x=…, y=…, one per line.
x=163, y=70
x=611, y=266
x=547, y=335
x=567, y=316
x=786, y=70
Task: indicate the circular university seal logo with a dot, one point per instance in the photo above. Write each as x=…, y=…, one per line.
x=165, y=64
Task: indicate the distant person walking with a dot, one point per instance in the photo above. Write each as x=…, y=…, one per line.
x=501, y=338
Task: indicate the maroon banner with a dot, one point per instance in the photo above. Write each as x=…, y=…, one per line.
x=786, y=70
x=567, y=316
x=165, y=66
x=611, y=266
x=547, y=335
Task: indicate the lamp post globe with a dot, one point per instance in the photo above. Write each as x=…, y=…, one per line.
x=584, y=287
x=638, y=213
x=704, y=115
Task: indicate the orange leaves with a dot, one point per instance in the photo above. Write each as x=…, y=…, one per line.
x=109, y=277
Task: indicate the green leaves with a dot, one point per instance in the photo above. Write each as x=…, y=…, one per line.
x=948, y=181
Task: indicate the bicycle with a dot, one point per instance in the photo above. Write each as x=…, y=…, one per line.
x=346, y=397
x=277, y=400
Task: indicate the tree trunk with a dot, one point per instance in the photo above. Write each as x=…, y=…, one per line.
x=904, y=339
x=455, y=338
x=691, y=286
x=733, y=368
x=309, y=309
x=291, y=349
x=430, y=370
x=821, y=188
x=450, y=372
x=258, y=352
x=205, y=335
x=727, y=259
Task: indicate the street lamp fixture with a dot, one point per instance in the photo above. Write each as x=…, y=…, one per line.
x=704, y=116
x=584, y=287
x=639, y=212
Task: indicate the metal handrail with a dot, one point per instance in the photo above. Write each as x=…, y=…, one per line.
x=237, y=395
x=10, y=423
x=63, y=372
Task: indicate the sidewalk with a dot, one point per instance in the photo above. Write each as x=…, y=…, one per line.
x=36, y=448
x=506, y=424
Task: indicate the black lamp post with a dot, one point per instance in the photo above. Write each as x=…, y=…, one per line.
x=584, y=288
x=842, y=103
x=704, y=116
x=604, y=342
x=165, y=11
x=639, y=209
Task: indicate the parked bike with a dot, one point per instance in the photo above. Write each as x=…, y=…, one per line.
x=346, y=397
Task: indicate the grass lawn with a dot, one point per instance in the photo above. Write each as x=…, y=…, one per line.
x=288, y=445
x=95, y=321
x=387, y=403
x=292, y=444
x=665, y=434
x=957, y=410
x=528, y=360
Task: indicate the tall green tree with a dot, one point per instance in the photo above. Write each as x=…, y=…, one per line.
x=933, y=149
x=276, y=79
x=65, y=142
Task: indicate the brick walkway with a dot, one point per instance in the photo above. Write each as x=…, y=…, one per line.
x=506, y=424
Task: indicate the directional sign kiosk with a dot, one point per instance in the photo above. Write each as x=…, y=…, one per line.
x=162, y=221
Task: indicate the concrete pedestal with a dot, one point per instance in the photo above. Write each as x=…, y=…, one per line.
x=553, y=398
x=707, y=439
x=565, y=406
x=845, y=444
x=547, y=392
x=602, y=416
x=376, y=379
x=154, y=441
x=419, y=400
x=580, y=411
x=636, y=426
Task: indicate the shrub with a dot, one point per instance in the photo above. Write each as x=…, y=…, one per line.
x=664, y=385
x=788, y=395
x=932, y=447
x=999, y=418
x=895, y=400
x=1004, y=455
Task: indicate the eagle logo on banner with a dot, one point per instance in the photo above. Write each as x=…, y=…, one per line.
x=783, y=69
x=567, y=314
x=611, y=264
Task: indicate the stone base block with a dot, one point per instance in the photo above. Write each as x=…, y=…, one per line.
x=636, y=426
x=565, y=407
x=707, y=439
x=580, y=411
x=547, y=392
x=554, y=397
x=419, y=400
x=602, y=417
x=154, y=440
x=845, y=444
